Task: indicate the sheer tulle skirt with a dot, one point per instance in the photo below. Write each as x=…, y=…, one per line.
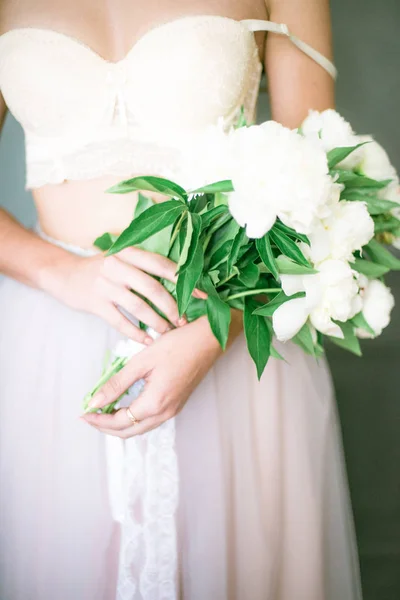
x=263, y=513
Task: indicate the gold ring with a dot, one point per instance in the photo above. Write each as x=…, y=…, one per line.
x=131, y=417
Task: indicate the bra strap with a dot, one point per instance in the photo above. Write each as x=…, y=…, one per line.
x=282, y=29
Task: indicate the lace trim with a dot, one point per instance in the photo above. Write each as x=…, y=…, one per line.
x=149, y=559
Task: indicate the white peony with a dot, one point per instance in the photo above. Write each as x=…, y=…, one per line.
x=375, y=162
x=349, y=228
x=377, y=304
x=331, y=294
x=332, y=131
x=277, y=173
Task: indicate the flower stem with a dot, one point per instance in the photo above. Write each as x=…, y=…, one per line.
x=254, y=293
x=177, y=228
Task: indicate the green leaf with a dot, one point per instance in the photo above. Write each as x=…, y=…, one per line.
x=143, y=203
x=305, y=340
x=148, y=223
x=187, y=280
x=379, y=254
x=150, y=184
x=268, y=309
x=105, y=241
x=240, y=239
x=288, y=247
x=223, y=234
x=187, y=232
x=158, y=243
x=291, y=232
x=353, y=180
x=360, y=321
x=336, y=155
x=208, y=217
x=350, y=341
x=376, y=206
x=218, y=312
x=258, y=336
x=368, y=268
x=198, y=203
x=386, y=223
x=224, y=187
x=264, y=248
x=221, y=255
x=197, y=308
x=194, y=241
x=249, y=275
x=287, y=267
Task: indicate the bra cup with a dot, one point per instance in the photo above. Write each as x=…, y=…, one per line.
x=171, y=91
x=48, y=89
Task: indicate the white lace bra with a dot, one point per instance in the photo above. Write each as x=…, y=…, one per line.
x=84, y=116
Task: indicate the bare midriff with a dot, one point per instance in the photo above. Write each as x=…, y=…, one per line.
x=77, y=212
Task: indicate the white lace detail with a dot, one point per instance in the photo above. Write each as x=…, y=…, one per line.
x=148, y=559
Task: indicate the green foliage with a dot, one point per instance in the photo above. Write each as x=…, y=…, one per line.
x=350, y=342
x=150, y=184
x=264, y=248
x=380, y=255
x=267, y=310
x=218, y=312
x=288, y=247
x=258, y=336
x=105, y=241
x=336, y=155
x=148, y=223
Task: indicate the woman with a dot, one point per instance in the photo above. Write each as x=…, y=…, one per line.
x=103, y=91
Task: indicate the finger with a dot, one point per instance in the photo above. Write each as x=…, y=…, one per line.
x=145, y=406
x=135, y=369
x=137, y=429
x=141, y=310
x=152, y=263
x=116, y=319
x=148, y=287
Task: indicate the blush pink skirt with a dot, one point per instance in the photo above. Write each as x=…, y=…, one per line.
x=257, y=496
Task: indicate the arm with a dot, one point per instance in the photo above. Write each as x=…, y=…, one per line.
x=175, y=365
x=296, y=82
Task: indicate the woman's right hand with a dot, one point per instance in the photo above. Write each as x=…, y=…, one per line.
x=100, y=284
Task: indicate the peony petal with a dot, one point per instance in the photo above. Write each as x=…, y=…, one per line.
x=292, y=284
x=256, y=228
x=289, y=318
x=321, y=320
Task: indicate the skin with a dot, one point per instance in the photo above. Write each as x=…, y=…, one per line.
x=172, y=366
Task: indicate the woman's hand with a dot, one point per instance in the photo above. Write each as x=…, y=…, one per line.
x=172, y=368
x=102, y=285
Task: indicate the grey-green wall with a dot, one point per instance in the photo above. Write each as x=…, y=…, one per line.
x=367, y=51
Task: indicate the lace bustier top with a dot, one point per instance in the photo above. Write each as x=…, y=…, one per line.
x=84, y=116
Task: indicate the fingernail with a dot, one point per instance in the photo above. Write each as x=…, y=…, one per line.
x=96, y=401
x=148, y=340
x=182, y=321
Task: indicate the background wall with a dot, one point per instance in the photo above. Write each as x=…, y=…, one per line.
x=367, y=51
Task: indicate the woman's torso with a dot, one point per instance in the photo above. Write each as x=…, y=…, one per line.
x=78, y=211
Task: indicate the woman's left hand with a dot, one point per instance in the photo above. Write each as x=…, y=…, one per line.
x=172, y=368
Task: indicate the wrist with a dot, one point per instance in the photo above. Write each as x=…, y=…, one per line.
x=54, y=273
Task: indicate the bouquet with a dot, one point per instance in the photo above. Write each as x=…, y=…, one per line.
x=288, y=226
